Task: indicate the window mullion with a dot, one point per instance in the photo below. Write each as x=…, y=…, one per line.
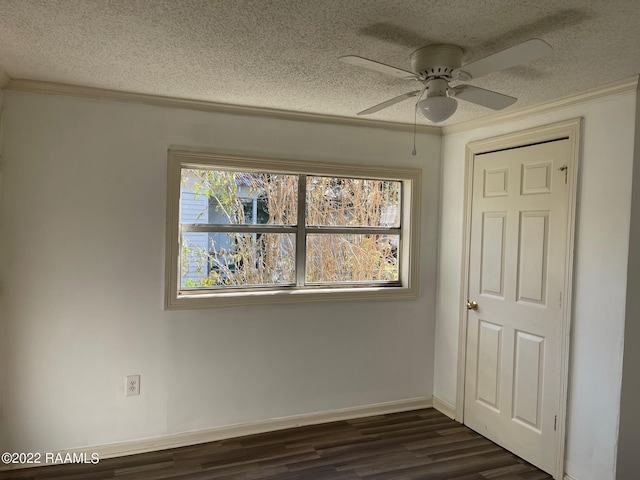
x=353, y=230
x=301, y=235
x=237, y=228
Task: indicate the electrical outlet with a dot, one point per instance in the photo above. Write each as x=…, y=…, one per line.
x=132, y=387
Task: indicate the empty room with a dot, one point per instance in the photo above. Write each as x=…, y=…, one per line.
x=305, y=239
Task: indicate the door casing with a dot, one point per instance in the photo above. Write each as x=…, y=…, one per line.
x=571, y=130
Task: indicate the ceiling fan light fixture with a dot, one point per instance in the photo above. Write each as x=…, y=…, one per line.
x=437, y=108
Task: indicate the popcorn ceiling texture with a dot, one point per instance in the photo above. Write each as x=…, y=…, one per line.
x=283, y=53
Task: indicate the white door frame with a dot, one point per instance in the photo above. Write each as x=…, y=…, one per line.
x=567, y=129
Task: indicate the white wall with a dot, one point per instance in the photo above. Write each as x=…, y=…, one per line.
x=628, y=461
x=82, y=268
x=604, y=200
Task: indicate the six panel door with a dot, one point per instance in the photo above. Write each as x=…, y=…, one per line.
x=516, y=275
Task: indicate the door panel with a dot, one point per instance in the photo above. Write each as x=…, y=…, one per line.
x=516, y=275
x=496, y=183
x=492, y=268
x=532, y=257
x=489, y=354
x=536, y=179
x=527, y=381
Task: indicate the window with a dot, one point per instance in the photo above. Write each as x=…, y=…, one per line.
x=247, y=230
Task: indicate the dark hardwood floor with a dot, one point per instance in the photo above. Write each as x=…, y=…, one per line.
x=421, y=444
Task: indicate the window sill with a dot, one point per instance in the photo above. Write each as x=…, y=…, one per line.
x=274, y=297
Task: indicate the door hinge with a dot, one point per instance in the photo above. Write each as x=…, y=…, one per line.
x=560, y=300
x=555, y=422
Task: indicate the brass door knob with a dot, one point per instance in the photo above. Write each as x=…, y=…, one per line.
x=472, y=305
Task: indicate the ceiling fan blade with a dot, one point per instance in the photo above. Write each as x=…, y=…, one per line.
x=517, y=55
x=378, y=67
x=480, y=96
x=388, y=103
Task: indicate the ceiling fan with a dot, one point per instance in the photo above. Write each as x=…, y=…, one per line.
x=436, y=66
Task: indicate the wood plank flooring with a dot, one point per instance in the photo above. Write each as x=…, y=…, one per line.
x=421, y=444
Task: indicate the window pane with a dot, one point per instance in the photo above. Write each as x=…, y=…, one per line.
x=237, y=259
x=352, y=202
x=351, y=258
x=221, y=197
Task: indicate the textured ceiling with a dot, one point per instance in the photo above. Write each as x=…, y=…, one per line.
x=283, y=53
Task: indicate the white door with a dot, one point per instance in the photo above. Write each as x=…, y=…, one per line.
x=516, y=277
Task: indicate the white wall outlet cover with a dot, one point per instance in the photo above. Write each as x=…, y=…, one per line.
x=132, y=386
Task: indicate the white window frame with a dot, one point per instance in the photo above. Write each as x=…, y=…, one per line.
x=405, y=288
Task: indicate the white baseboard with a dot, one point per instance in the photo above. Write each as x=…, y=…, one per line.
x=444, y=407
x=184, y=439
x=568, y=477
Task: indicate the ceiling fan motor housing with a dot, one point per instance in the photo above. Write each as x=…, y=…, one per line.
x=436, y=61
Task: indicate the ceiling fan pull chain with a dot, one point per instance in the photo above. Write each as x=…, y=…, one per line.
x=415, y=120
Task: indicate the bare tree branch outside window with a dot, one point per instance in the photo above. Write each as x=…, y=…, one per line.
x=240, y=229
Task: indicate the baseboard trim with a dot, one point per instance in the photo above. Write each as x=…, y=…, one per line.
x=568, y=477
x=444, y=407
x=184, y=439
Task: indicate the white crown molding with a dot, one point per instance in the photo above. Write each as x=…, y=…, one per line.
x=184, y=439
x=614, y=88
x=50, y=88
